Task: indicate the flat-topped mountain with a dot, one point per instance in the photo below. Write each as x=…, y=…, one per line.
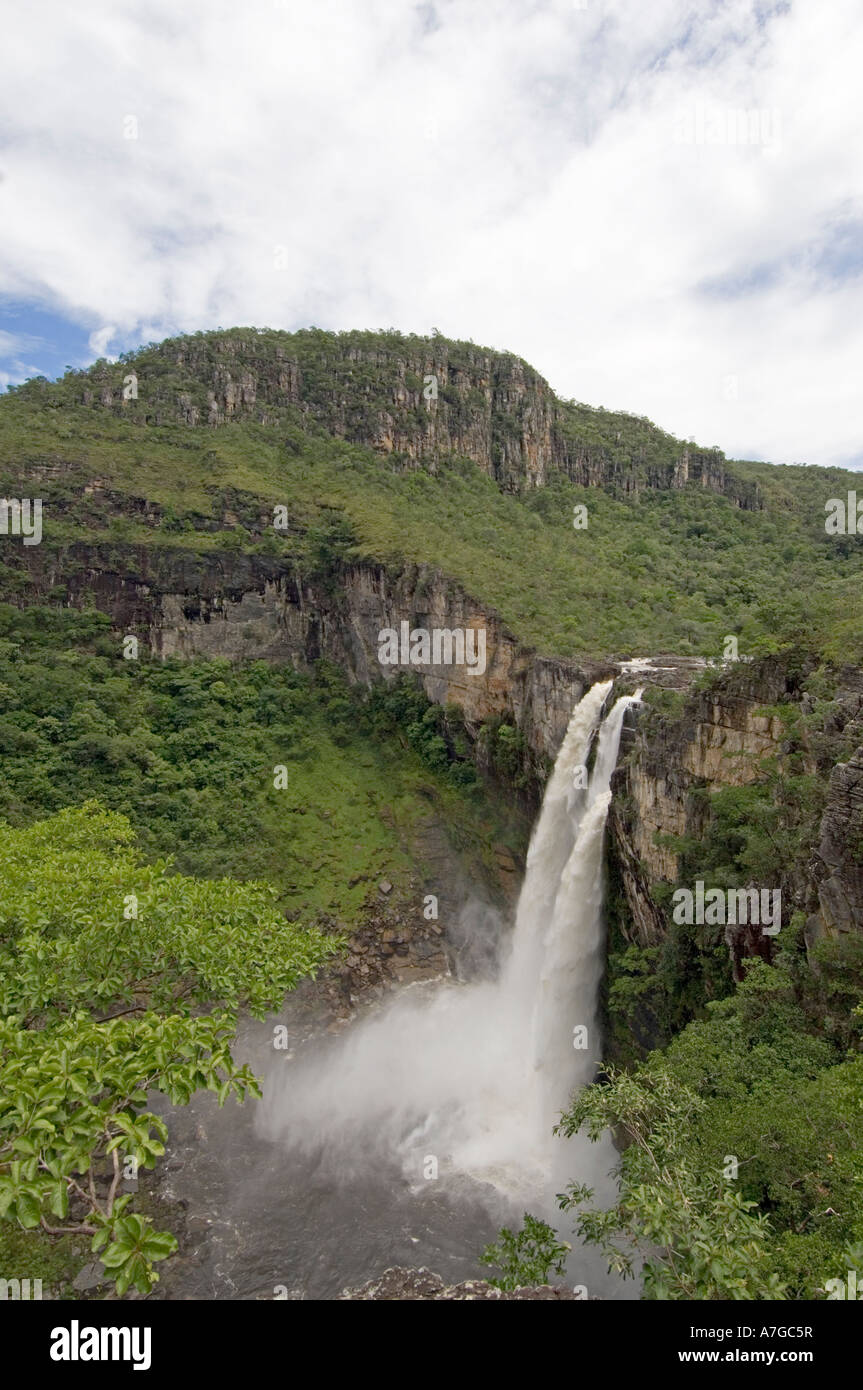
x=415, y=398
x=591, y=534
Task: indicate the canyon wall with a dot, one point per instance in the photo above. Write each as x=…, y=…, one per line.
x=416, y=399
x=726, y=738
x=839, y=854
x=247, y=607
x=243, y=606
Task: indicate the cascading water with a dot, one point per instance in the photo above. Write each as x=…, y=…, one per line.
x=326, y=1182
x=475, y=1075
x=551, y=844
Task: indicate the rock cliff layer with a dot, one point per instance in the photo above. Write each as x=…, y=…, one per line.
x=416, y=399
x=246, y=607
x=728, y=737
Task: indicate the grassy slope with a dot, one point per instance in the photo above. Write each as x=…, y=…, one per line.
x=670, y=571
x=667, y=571
x=187, y=751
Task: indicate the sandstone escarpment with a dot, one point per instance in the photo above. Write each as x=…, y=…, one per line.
x=840, y=851
x=416, y=399
x=729, y=737
x=720, y=738
x=250, y=607
x=242, y=606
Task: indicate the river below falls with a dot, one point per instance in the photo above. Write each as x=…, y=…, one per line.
x=323, y=1184
x=265, y=1218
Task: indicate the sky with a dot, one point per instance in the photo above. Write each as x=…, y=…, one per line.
x=657, y=203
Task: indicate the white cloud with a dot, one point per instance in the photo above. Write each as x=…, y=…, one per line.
x=15, y=368
x=507, y=170
x=13, y=344
x=100, y=338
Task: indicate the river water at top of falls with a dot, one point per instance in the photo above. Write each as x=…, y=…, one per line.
x=414, y=1134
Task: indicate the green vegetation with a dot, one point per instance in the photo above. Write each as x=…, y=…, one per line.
x=741, y=1172
x=107, y=956
x=741, y=1110
x=105, y=964
x=527, y=1256
x=663, y=570
x=188, y=750
x=56, y=1260
x=505, y=747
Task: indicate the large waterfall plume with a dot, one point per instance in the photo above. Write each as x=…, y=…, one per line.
x=474, y=1075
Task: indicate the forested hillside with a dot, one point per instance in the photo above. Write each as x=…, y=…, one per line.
x=211, y=792
x=676, y=547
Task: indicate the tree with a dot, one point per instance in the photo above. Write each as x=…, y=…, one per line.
x=699, y=1239
x=527, y=1256
x=103, y=957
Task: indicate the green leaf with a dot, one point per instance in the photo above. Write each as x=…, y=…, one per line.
x=28, y=1210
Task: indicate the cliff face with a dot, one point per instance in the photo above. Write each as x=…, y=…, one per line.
x=715, y=741
x=300, y=622
x=248, y=607
x=416, y=399
x=840, y=891
x=839, y=857
x=722, y=739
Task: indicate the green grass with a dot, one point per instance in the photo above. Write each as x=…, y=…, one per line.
x=35, y=1255
x=188, y=752
x=664, y=570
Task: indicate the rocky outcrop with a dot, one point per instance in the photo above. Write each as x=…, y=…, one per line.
x=723, y=738
x=717, y=738
x=247, y=607
x=840, y=854
x=420, y=1285
x=398, y=943
x=416, y=399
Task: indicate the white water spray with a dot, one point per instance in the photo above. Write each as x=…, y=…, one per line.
x=477, y=1074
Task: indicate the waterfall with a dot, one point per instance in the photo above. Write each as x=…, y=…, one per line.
x=555, y=966
x=564, y=1022
x=551, y=846
x=476, y=1074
